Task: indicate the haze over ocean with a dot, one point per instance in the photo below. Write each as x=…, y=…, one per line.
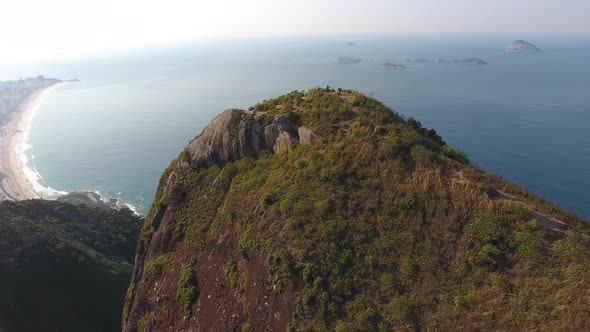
x=524, y=117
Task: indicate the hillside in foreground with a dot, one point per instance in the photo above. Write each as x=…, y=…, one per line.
x=326, y=211
x=64, y=267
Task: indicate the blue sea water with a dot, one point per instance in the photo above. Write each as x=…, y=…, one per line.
x=525, y=117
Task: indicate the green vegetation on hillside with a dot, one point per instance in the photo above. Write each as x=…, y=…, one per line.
x=64, y=267
x=385, y=227
x=187, y=289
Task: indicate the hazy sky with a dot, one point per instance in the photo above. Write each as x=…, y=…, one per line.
x=66, y=26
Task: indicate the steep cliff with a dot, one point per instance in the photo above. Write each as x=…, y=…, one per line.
x=326, y=211
x=236, y=134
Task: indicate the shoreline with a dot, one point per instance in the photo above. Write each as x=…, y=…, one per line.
x=15, y=185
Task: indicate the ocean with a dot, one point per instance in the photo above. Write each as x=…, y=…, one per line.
x=525, y=117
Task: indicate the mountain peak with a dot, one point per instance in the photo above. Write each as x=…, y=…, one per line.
x=357, y=219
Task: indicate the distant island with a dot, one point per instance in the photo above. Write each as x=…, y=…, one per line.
x=468, y=61
x=522, y=46
x=351, y=44
x=345, y=60
x=395, y=66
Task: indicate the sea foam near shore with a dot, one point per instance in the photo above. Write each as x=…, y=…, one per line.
x=33, y=179
x=26, y=161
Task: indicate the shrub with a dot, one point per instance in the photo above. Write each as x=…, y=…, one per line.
x=333, y=175
x=421, y=155
x=187, y=291
x=574, y=247
x=309, y=273
x=184, y=156
x=359, y=100
x=342, y=326
x=454, y=154
x=518, y=210
x=231, y=272
x=529, y=244
x=269, y=199
x=158, y=265
x=400, y=309
x=464, y=301
x=228, y=172
x=266, y=120
x=294, y=119
x=362, y=314
x=301, y=163
x=406, y=203
x=487, y=257
x=319, y=283
x=243, y=281
x=281, y=267
x=408, y=268
x=497, y=280
x=486, y=228
x=324, y=208
x=286, y=204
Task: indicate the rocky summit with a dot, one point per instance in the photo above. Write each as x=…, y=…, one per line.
x=236, y=134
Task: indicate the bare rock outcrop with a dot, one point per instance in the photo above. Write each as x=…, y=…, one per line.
x=308, y=137
x=271, y=133
x=250, y=141
x=217, y=142
x=234, y=134
x=283, y=123
x=228, y=137
x=283, y=143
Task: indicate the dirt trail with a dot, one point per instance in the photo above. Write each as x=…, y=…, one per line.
x=545, y=220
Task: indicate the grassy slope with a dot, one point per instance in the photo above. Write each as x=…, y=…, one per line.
x=63, y=267
x=388, y=227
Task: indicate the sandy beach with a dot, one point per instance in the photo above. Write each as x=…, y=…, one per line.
x=15, y=185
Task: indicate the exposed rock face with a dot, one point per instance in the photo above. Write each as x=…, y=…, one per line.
x=283, y=143
x=522, y=46
x=228, y=137
x=308, y=136
x=233, y=135
x=271, y=133
x=215, y=143
x=250, y=141
x=283, y=123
